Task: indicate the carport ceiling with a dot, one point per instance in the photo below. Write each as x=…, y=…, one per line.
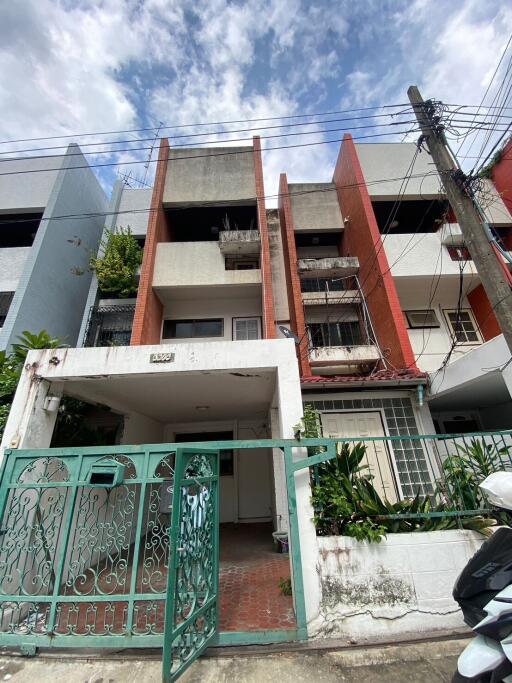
x=182, y=397
x=488, y=390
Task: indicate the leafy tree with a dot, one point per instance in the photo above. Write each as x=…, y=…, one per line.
x=117, y=269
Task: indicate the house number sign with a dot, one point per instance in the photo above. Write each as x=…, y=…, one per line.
x=161, y=358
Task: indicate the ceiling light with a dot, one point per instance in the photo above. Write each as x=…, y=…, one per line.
x=202, y=408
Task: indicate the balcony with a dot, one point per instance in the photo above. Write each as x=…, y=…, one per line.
x=322, y=291
x=349, y=356
x=110, y=325
x=339, y=266
x=239, y=242
x=197, y=269
x=341, y=344
x=451, y=235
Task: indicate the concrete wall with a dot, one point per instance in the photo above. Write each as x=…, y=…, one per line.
x=134, y=210
x=419, y=255
x=12, y=263
x=279, y=291
x=213, y=308
x=28, y=191
x=402, y=585
x=51, y=295
x=180, y=264
x=210, y=174
x=389, y=160
x=316, y=208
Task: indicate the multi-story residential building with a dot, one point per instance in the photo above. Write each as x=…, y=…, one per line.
x=352, y=297
x=51, y=215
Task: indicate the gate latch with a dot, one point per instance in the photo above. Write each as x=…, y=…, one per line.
x=106, y=474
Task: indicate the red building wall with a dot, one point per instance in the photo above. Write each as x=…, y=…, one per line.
x=482, y=310
x=502, y=175
x=147, y=321
x=362, y=238
x=297, y=321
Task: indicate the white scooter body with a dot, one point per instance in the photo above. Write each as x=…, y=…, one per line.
x=484, y=654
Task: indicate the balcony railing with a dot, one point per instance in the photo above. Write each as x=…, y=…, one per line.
x=110, y=325
x=328, y=267
x=234, y=242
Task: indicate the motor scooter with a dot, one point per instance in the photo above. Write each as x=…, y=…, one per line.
x=484, y=593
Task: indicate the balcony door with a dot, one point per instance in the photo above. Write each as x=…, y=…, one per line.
x=378, y=459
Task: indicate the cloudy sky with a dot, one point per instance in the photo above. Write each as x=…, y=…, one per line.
x=75, y=66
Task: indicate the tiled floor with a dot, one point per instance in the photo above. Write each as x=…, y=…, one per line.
x=250, y=598
x=250, y=570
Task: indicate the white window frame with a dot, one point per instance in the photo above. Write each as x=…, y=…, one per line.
x=252, y=317
x=451, y=330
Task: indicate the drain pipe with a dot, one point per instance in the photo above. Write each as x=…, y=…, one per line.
x=420, y=391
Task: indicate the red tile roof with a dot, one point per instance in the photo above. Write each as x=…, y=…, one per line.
x=379, y=376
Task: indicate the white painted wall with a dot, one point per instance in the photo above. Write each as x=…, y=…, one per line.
x=139, y=429
x=191, y=264
x=28, y=191
x=227, y=309
x=12, y=262
x=388, y=160
x=254, y=475
x=402, y=585
x=412, y=255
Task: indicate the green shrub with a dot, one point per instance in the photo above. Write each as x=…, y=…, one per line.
x=117, y=269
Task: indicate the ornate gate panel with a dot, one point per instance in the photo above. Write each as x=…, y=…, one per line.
x=192, y=597
x=85, y=546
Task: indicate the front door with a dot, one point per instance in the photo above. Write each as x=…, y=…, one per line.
x=191, y=612
x=378, y=459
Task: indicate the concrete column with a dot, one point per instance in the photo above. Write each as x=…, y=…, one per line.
x=280, y=501
x=290, y=413
x=29, y=425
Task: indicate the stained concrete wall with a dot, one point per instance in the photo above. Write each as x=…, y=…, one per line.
x=53, y=288
x=315, y=207
x=402, y=585
x=212, y=174
x=391, y=161
x=134, y=210
x=180, y=264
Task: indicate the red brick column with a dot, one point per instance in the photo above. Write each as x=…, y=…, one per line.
x=295, y=305
x=502, y=175
x=147, y=321
x=269, y=318
x=362, y=239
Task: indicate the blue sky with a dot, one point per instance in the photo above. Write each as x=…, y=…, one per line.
x=73, y=66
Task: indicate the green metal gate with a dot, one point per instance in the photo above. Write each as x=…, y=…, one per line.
x=192, y=598
x=87, y=557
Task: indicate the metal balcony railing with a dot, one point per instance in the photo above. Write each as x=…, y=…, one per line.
x=110, y=325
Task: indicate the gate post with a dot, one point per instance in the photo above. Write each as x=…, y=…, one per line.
x=29, y=425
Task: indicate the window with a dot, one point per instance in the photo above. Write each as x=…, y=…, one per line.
x=459, y=254
x=5, y=304
x=226, y=467
x=246, y=328
x=463, y=327
x=186, y=329
x=335, y=334
x=422, y=319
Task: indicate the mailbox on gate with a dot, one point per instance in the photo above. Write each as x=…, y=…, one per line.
x=106, y=474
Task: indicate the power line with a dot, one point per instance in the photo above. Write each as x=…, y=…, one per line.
x=249, y=150
x=229, y=132
x=211, y=123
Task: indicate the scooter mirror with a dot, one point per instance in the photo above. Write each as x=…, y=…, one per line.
x=498, y=489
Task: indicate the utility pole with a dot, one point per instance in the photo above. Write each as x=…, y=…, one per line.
x=484, y=257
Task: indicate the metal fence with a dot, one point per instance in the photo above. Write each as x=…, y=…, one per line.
x=401, y=478
x=110, y=325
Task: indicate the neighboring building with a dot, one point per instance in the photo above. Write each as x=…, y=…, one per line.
x=51, y=218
